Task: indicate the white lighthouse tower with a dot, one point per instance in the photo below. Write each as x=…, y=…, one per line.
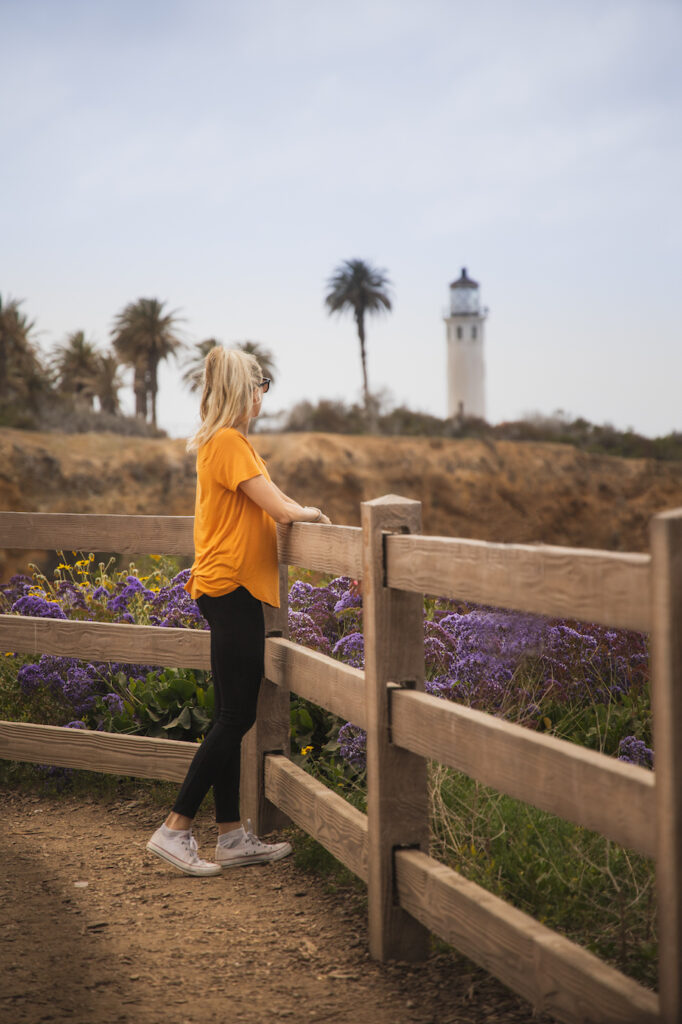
x=465, y=337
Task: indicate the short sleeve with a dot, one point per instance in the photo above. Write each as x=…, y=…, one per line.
x=234, y=460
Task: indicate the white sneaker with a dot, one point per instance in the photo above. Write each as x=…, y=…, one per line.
x=181, y=852
x=246, y=848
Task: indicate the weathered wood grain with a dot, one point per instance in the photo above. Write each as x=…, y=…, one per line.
x=111, y=753
x=61, y=531
x=333, y=549
x=317, y=677
x=106, y=641
x=325, y=815
x=599, y=792
x=666, y=695
x=270, y=732
x=554, y=974
x=397, y=792
x=593, y=586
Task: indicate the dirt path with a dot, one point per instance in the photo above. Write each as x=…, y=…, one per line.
x=95, y=931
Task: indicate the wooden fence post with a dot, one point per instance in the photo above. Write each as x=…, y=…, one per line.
x=271, y=732
x=666, y=657
x=397, y=792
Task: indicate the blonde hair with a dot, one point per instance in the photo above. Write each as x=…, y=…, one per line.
x=229, y=378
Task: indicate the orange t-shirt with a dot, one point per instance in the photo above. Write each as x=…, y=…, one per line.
x=235, y=541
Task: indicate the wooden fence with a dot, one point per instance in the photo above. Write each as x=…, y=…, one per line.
x=410, y=894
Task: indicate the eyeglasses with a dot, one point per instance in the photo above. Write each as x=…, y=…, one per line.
x=264, y=384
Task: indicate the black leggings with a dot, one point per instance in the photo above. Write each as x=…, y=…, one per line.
x=237, y=664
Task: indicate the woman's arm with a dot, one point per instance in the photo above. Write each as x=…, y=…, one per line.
x=282, y=508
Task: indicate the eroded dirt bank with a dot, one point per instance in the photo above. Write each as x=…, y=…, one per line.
x=503, y=491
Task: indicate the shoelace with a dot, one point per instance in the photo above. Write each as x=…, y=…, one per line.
x=193, y=848
x=251, y=838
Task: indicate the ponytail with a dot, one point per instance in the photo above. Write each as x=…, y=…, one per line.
x=229, y=377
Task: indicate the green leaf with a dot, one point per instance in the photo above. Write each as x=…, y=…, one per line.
x=200, y=720
x=304, y=719
x=184, y=719
x=183, y=687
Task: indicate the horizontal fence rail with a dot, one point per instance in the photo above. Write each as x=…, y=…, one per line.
x=113, y=753
x=606, y=587
x=332, y=549
x=106, y=641
x=583, y=786
x=324, y=815
x=553, y=973
x=61, y=531
x=337, y=687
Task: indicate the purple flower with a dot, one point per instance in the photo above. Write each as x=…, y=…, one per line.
x=351, y=649
x=635, y=751
x=70, y=595
x=81, y=687
x=303, y=630
x=49, y=672
x=37, y=607
x=353, y=745
x=114, y=703
x=349, y=599
x=75, y=725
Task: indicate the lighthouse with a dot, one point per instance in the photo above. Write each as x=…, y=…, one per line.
x=465, y=326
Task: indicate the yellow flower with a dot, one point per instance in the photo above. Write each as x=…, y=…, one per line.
x=63, y=565
x=156, y=558
x=306, y=750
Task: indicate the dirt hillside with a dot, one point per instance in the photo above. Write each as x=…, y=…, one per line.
x=503, y=491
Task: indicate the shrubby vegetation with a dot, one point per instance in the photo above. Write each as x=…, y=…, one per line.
x=335, y=416
x=580, y=682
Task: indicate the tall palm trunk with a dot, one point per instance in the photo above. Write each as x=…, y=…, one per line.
x=153, y=386
x=370, y=411
x=360, y=320
x=140, y=388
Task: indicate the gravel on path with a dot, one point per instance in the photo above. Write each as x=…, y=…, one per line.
x=97, y=931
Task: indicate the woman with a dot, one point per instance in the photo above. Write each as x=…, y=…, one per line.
x=235, y=569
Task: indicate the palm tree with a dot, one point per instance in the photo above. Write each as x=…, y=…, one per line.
x=77, y=366
x=108, y=382
x=358, y=287
x=23, y=378
x=142, y=336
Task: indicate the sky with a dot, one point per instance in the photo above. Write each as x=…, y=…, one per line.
x=226, y=157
